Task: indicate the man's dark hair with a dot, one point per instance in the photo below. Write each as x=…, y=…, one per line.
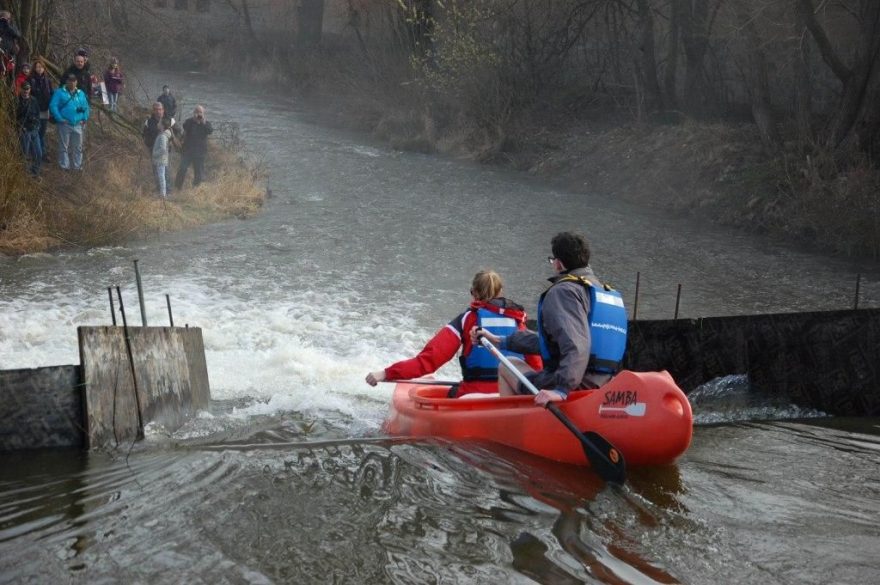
x=572, y=249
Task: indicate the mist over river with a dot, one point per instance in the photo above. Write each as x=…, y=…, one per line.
x=359, y=256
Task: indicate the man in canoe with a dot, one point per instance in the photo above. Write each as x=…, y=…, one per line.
x=489, y=310
x=581, y=329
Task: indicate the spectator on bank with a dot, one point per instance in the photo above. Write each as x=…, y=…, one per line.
x=168, y=101
x=9, y=44
x=195, y=147
x=24, y=71
x=114, y=81
x=70, y=109
x=41, y=88
x=161, y=158
x=152, y=127
x=27, y=116
x=80, y=69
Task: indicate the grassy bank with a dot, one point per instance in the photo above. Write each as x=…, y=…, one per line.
x=720, y=173
x=114, y=199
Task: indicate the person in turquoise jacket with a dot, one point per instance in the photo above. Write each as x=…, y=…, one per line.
x=70, y=110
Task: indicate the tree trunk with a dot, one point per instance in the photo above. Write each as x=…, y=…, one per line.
x=868, y=129
x=669, y=79
x=310, y=23
x=649, y=60
x=695, y=40
x=803, y=88
x=756, y=77
x=856, y=80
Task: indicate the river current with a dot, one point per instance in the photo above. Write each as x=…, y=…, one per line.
x=359, y=256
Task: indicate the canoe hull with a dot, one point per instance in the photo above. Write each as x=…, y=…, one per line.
x=644, y=414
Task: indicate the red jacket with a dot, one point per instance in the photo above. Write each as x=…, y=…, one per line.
x=19, y=79
x=454, y=336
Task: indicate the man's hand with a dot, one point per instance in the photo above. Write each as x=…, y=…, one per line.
x=545, y=396
x=478, y=332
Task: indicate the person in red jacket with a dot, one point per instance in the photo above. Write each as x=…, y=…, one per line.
x=24, y=71
x=488, y=310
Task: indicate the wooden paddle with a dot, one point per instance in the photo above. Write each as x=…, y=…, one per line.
x=604, y=458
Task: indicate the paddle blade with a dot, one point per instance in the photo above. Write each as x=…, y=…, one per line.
x=604, y=457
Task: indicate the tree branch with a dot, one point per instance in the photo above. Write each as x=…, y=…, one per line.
x=828, y=55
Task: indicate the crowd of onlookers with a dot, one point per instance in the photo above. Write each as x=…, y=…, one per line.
x=68, y=107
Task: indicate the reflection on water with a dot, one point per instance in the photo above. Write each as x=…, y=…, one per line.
x=271, y=507
x=372, y=512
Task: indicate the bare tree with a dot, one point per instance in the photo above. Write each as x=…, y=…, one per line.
x=34, y=18
x=857, y=77
x=756, y=72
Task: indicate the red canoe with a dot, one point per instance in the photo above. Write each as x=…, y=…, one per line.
x=644, y=414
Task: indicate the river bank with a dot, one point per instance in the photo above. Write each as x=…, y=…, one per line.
x=113, y=200
x=716, y=171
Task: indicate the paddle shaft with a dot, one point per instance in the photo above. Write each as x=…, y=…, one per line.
x=610, y=467
x=425, y=382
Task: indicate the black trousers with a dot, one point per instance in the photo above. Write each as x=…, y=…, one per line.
x=198, y=164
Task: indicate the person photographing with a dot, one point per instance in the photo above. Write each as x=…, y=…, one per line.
x=196, y=130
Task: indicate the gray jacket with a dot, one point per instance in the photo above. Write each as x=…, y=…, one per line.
x=564, y=314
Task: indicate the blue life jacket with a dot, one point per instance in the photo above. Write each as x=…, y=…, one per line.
x=608, y=326
x=479, y=363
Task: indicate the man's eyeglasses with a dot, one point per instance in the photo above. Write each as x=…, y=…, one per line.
x=551, y=259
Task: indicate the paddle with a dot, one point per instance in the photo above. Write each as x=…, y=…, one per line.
x=604, y=458
x=425, y=382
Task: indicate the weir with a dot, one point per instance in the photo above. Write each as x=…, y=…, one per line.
x=827, y=360
x=105, y=400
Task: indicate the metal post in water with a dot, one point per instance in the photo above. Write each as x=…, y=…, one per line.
x=137, y=398
x=137, y=276
x=677, y=301
x=170, y=316
x=858, y=284
x=636, y=303
x=112, y=308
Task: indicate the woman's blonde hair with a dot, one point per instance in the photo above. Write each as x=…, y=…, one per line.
x=486, y=285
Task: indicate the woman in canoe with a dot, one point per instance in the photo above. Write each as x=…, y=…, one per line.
x=479, y=368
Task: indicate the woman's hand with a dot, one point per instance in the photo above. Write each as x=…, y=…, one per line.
x=374, y=378
x=477, y=333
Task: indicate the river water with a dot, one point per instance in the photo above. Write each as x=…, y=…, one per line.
x=360, y=255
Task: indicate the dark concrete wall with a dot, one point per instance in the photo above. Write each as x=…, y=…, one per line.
x=41, y=407
x=828, y=360
x=170, y=374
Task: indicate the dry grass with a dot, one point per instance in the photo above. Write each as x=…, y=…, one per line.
x=114, y=199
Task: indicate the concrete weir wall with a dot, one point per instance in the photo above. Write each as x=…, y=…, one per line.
x=170, y=381
x=95, y=404
x=40, y=407
x=829, y=360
